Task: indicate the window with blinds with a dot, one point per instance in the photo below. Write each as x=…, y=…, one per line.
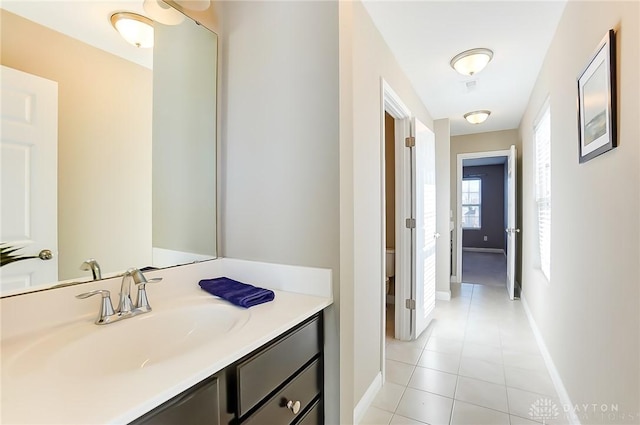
x=542, y=144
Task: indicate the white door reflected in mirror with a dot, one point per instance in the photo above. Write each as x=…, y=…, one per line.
x=29, y=179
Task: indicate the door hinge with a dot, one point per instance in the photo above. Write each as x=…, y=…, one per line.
x=410, y=142
x=410, y=223
x=411, y=304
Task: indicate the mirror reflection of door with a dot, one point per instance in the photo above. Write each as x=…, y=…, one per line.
x=29, y=178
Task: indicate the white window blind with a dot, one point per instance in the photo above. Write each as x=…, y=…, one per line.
x=471, y=203
x=542, y=142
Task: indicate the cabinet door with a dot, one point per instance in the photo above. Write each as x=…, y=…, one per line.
x=199, y=405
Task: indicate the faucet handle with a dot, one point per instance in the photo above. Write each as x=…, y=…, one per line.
x=142, y=302
x=106, y=308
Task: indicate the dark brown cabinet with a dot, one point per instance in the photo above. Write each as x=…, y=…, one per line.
x=280, y=383
x=199, y=404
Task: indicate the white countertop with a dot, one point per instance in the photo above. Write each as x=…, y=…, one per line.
x=33, y=391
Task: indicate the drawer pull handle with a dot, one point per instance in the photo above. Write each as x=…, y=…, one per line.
x=294, y=406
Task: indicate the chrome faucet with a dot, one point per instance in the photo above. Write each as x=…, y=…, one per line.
x=92, y=264
x=126, y=308
x=142, y=302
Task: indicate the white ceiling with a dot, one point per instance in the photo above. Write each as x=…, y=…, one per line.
x=425, y=35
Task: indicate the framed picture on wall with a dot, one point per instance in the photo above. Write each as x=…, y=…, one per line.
x=597, y=101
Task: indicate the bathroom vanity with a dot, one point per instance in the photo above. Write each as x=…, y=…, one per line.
x=193, y=359
x=279, y=383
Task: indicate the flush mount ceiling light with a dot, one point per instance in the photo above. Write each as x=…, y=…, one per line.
x=471, y=61
x=477, y=117
x=136, y=29
x=161, y=12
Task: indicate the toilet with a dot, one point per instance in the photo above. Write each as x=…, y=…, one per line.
x=390, y=261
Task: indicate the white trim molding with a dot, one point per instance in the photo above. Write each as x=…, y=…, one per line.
x=491, y=250
x=367, y=398
x=460, y=159
x=393, y=104
x=443, y=295
x=563, y=395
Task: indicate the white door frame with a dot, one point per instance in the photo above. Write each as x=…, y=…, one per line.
x=461, y=158
x=393, y=105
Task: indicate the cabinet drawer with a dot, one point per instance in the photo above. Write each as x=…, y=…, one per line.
x=304, y=388
x=262, y=373
x=312, y=417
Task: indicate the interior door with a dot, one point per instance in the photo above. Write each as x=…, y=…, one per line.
x=512, y=230
x=424, y=236
x=28, y=158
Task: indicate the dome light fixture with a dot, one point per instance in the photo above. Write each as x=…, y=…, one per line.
x=477, y=117
x=136, y=29
x=472, y=61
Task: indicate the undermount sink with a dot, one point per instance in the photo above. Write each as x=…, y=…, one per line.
x=88, y=350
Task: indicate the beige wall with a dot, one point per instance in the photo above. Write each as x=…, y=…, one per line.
x=303, y=185
x=347, y=219
x=104, y=145
x=443, y=205
x=588, y=313
x=279, y=144
x=480, y=142
x=365, y=60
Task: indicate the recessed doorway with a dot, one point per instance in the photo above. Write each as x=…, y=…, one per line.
x=486, y=219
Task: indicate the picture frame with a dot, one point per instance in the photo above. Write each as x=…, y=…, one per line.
x=597, y=114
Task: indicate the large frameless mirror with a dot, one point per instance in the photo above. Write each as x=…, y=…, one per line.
x=108, y=150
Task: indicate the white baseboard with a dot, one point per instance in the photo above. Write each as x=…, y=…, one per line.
x=492, y=250
x=443, y=295
x=367, y=398
x=563, y=395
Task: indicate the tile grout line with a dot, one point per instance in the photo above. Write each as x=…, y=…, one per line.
x=504, y=375
x=464, y=338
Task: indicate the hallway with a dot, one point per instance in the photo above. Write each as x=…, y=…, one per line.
x=486, y=268
x=477, y=363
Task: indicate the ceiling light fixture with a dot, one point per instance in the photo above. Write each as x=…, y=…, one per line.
x=471, y=61
x=477, y=117
x=136, y=29
x=161, y=12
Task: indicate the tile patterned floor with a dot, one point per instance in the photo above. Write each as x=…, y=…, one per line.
x=477, y=363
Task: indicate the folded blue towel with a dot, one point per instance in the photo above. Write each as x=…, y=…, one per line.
x=237, y=293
